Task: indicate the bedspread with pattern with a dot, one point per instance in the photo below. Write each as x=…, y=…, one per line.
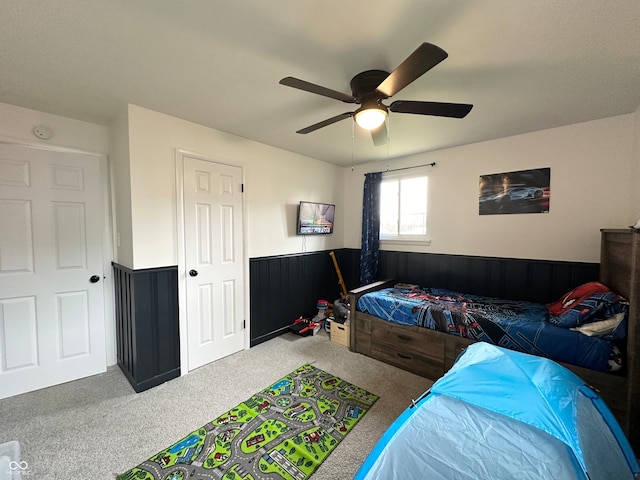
x=518, y=325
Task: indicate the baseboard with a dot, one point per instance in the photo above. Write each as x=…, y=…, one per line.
x=150, y=382
x=268, y=336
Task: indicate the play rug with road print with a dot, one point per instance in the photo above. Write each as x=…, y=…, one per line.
x=285, y=431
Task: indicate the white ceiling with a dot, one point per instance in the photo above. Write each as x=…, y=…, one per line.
x=525, y=65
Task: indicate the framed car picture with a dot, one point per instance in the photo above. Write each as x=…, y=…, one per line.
x=524, y=191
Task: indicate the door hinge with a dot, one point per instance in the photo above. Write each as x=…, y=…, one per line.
x=242, y=188
x=244, y=324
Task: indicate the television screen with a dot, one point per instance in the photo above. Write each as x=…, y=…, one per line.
x=315, y=218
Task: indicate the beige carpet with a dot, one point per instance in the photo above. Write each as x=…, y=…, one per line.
x=97, y=427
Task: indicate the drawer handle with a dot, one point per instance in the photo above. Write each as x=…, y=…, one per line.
x=404, y=357
x=404, y=337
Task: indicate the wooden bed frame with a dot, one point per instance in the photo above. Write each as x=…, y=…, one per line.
x=430, y=353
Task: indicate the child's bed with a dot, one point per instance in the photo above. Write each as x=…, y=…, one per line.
x=518, y=325
x=461, y=319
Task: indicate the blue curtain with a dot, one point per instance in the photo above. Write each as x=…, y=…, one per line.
x=370, y=228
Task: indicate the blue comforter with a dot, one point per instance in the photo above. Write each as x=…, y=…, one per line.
x=517, y=325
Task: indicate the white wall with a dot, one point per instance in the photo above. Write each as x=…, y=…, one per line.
x=16, y=123
x=591, y=187
x=275, y=181
x=121, y=189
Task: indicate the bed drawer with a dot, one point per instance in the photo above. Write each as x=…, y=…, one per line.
x=361, y=340
x=409, y=340
x=363, y=323
x=453, y=347
x=419, y=364
x=408, y=348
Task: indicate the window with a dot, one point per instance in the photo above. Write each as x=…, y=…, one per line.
x=403, y=208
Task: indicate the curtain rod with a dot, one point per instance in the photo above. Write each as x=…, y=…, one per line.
x=433, y=164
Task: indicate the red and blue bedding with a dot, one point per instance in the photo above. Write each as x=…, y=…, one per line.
x=518, y=325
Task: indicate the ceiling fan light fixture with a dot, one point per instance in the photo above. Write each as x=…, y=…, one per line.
x=371, y=87
x=371, y=118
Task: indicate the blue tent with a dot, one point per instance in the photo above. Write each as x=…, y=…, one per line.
x=504, y=414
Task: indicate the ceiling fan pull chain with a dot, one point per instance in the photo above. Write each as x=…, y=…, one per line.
x=353, y=141
x=388, y=134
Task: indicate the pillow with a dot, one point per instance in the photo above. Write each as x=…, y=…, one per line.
x=580, y=304
x=601, y=328
x=615, y=360
x=611, y=308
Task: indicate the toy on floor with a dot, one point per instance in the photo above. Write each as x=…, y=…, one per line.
x=323, y=307
x=305, y=326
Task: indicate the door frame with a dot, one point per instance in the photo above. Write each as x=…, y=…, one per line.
x=107, y=234
x=182, y=267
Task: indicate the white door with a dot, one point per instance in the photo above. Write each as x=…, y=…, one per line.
x=213, y=260
x=51, y=314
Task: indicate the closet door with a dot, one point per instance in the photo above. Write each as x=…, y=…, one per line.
x=214, y=260
x=52, y=326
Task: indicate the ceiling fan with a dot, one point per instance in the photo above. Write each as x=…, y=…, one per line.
x=370, y=88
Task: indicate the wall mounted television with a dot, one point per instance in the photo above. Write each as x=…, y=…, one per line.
x=315, y=218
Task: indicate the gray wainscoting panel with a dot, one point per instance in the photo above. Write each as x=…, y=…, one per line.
x=147, y=329
x=287, y=286
x=539, y=281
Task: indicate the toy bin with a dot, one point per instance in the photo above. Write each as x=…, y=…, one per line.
x=340, y=333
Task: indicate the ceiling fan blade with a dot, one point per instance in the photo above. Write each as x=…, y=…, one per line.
x=424, y=58
x=379, y=135
x=439, y=109
x=317, y=89
x=324, y=123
